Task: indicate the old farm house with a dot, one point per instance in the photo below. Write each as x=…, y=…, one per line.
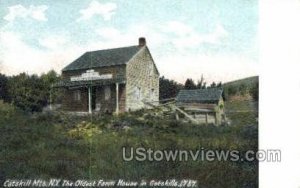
x=111, y=80
x=203, y=105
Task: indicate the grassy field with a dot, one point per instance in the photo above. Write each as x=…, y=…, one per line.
x=70, y=147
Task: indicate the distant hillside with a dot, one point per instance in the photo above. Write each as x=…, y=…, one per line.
x=242, y=89
x=250, y=81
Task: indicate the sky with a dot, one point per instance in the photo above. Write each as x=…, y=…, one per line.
x=187, y=38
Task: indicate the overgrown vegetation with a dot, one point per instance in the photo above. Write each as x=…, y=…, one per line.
x=248, y=86
x=29, y=92
x=72, y=147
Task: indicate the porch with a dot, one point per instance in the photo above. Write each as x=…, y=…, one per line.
x=101, y=96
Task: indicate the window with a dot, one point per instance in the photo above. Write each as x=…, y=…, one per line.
x=138, y=93
x=151, y=70
x=77, y=95
x=152, y=94
x=107, y=93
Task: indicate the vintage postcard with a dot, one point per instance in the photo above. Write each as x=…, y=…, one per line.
x=112, y=93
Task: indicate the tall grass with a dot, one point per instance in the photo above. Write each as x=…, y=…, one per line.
x=71, y=147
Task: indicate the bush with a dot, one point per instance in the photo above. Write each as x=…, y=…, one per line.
x=7, y=111
x=30, y=92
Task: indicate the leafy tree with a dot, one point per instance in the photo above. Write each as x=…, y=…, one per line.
x=190, y=84
x=168, y=88
x=48, y=80
x=3, y=88
x=213, y=84
x=24, y=91
x=30, y=92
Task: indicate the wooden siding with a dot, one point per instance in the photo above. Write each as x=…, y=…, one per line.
x=199, y=110
x=70, y=104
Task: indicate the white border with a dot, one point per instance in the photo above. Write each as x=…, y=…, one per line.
x=279, y=31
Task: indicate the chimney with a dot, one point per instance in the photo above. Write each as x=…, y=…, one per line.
x=142, y=41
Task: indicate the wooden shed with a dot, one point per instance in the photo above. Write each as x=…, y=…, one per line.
x=204, y=105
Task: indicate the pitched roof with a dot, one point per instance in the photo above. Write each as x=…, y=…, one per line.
x=103, y=58
x=199, y=95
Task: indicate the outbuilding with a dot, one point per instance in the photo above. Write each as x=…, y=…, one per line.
x=204, y=105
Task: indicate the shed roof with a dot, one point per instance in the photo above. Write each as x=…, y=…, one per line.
x=200, y=95
x=103, y=58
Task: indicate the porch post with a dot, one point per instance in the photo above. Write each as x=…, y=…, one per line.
x=90, y=99
x=117, y=98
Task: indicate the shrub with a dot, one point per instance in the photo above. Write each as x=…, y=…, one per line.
x=7, y=111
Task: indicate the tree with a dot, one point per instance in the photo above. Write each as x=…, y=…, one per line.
x=48, y=80
x=213, y=84
x=30, y=92
x=168, y=88
x=3, y=88
x=24, y=91
x=189, y=84
x=201, y=84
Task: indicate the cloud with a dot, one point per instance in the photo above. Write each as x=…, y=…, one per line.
x=180, y=37
x=179, y=28
x=34, y=12
x=53, y=42
x=171, y=62
x=216, y=36
x=110, y=37
x=105, y=10
x=187, y=37
x=17, y=56
x=177, y=64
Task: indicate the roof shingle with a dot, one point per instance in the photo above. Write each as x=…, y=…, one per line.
x=199, y=95
x=103, y=58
